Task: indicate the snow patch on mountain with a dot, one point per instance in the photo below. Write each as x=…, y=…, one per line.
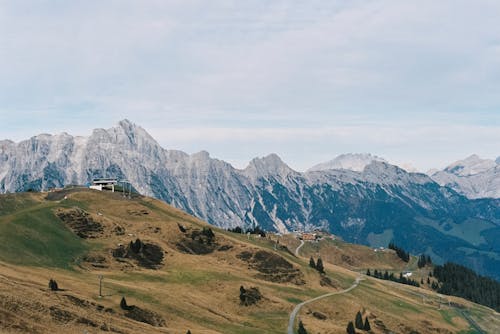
x=473, y=177
x=351, y=161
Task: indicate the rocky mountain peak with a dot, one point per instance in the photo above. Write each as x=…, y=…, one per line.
x=270, y=165
x=471, y=165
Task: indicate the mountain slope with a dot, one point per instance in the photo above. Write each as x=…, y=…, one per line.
x=473, y=177
x=196, y=288
x=369, y=206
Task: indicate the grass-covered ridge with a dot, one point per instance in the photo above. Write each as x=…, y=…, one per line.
x=192, y=291
x=33, y=235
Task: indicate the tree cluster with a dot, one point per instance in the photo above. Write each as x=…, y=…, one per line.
x=318, y=265
x=424, y=260
x=136, y=246
x=402, y=254
x=390, y=277
x=457, y=280
x=358, y=323
x=249, y=296
x=209, y=234
x=255, y=230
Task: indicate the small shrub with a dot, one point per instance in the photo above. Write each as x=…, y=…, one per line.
x=302, y=330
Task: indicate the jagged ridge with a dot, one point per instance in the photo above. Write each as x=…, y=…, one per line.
x=369, y=205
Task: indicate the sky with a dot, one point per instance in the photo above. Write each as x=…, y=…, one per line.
x=416, y=82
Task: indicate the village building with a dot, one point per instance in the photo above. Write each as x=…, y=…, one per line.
x=308, y=236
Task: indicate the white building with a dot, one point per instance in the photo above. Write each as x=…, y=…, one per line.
x=104, y=184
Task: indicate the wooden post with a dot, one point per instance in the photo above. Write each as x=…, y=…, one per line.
x=100, y=285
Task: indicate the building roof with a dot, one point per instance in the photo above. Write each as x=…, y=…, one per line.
x=104, y=181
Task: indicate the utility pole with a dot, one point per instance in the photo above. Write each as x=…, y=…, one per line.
x=100, y=285
x=124, y=188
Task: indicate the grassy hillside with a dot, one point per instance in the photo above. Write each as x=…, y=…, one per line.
x=183, y=278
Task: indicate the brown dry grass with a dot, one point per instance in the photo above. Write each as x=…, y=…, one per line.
x=196, y=292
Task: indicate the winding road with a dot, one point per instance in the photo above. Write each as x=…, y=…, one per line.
x=297, y=308
x=297, y=249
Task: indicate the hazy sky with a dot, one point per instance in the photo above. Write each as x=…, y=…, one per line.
x=411, y=81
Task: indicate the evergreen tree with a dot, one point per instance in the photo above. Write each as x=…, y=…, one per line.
x=386, y=275
x=188, y=332
x=319, y=266
x=358, y=321
x=401, y=253
x=123, y=304
x=428, y=280
x=350, y=328
x=421, y=261
x=302, y=330
x=242, y=294
x=311, y=263
x=136, y=246
x=53, y=285
x=460, y=281
x=366, y=326
x=368, y=273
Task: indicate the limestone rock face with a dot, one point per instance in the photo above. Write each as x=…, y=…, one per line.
x=360, y=197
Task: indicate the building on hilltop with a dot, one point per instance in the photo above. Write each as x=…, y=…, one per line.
x=308, y=236
x=104, y=184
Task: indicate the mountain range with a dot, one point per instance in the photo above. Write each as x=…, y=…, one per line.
x=473, y=177
x=452, y=214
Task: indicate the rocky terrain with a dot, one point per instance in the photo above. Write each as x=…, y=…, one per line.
x=361, y=198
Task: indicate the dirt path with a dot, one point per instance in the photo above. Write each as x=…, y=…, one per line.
x=298, y=248
x=297, y=308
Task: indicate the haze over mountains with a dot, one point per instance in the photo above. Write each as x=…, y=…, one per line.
x=360, y=197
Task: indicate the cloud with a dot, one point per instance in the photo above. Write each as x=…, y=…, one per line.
x=399, y=143
x=397, y=75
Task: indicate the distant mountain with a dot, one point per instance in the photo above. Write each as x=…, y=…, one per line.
x=361, y=198
x=355, y=162
x=473, y=177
